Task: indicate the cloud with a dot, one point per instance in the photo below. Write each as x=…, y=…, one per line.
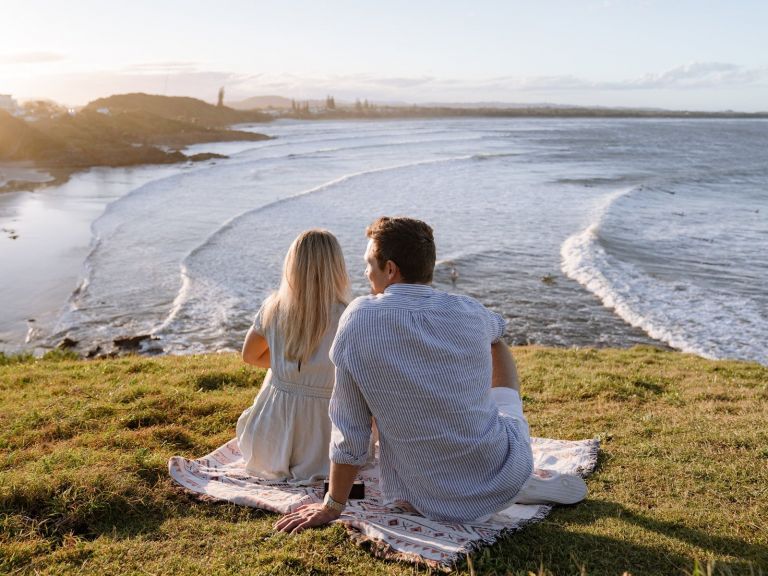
x=173, y=67
x=400, y=82
x=536, y=83
x=31, y=57
x=694, y=75
x=189, y=78
x=701, y=75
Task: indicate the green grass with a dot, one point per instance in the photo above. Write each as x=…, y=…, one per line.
x=681, y=485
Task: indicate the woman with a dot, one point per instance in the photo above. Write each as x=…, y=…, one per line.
x=286, y=433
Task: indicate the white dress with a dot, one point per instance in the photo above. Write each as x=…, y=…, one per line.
x=286, y=433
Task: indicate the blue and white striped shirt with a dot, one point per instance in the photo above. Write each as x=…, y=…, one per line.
x=419, y=360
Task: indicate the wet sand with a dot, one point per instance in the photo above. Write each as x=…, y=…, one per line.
x=19, y=175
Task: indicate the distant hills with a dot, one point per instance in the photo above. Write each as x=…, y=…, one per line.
x=261, y=102
x=281, y=107
x=123, y=130
x=179, y=108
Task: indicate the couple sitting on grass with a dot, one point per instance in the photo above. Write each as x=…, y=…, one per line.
x=428, y=369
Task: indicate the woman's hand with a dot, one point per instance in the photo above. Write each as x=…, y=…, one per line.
x=309, y=516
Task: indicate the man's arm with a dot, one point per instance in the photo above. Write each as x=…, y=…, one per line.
x=351, y=421
x=504, y=369
x=313, y=515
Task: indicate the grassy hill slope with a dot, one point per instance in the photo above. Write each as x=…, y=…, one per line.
x=84, y=489
x=21, y=141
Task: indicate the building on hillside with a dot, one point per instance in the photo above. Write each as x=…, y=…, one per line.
x=9, y=104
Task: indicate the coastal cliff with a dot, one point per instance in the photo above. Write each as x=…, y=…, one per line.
x=123, y=130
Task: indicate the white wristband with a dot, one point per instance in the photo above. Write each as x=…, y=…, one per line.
x=331, y=504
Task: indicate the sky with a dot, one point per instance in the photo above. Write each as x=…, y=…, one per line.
x=674, y=54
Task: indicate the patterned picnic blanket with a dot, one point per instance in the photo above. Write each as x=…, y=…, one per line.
x=391, y=532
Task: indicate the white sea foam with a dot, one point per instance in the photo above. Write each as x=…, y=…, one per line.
x=680, y=313
x=207, y=292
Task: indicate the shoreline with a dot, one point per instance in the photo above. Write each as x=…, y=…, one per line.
x=21, y=176
x=51, y=270
x=25, y=181
x=32, y=199
x=132, y=347
x=149, y=346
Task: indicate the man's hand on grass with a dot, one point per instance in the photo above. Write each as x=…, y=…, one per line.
x=309, y=516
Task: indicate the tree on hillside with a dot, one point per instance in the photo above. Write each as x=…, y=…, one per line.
x=220, y=102
x=37, y=109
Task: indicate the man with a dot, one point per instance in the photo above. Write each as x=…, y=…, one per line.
x=432, y=370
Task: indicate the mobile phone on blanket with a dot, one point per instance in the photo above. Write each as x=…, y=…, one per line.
x=357, y=492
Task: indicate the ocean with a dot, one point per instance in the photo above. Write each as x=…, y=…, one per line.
x=580, y=232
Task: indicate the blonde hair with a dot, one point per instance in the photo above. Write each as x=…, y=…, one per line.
x=314, y=280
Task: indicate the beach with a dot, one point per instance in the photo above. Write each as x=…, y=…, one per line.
x=46, y=237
